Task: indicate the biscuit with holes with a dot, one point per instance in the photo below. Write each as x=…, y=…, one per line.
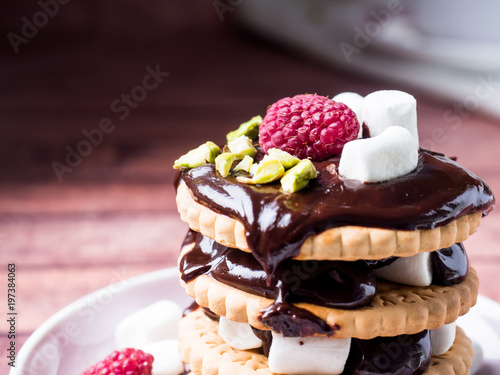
x=340, y=243
x=396, y=309
x=207, y=353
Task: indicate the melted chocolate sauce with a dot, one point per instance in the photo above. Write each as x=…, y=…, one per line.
x=450, y=266
x=400, y=355
x=267, y=339
x=276, y=224
x=336, y=284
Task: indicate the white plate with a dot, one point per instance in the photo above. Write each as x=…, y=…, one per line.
x=82, y=333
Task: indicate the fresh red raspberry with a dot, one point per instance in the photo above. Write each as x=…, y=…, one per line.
x=308, y=126
x=124, y=362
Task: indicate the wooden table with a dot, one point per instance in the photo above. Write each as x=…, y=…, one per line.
x=114, y=215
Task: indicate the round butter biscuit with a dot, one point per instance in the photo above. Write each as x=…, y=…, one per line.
x=396, y=309
x=207, y=353
x=340, y=243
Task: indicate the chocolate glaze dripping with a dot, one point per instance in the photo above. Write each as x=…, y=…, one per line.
x=276, y=224
x=326, y=283
x=400, y=355
x=336, y=284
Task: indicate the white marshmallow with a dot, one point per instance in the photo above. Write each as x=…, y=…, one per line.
x=156, y=322
x=415, y=270
x=167, y=359
x=308, y=355
x=442, y=338
x=238, y=335
x=355, y=102
x=388, y=155
x=385, y=108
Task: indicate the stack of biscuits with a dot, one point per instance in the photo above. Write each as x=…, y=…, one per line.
x=345, y=274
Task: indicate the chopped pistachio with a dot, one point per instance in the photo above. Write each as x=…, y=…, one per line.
x=224, y=162
x=206, y=152
x=241, y=147
x=298, y=177
x=287, y=160
x=249, y=128
x=244, y=165
x=265, y=172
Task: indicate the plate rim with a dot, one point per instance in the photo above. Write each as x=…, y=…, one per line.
x=38, y=335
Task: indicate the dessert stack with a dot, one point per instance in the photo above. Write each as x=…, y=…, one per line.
x=323, y=240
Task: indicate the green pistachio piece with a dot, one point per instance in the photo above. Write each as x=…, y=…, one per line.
x=298, y=177
x=244, y=165
x=224, y=162
x=207, y=152
x=265, y=172
x=287, y=160
x=241, y=147
x=249, y=128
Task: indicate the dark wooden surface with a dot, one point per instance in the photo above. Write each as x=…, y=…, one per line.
x=114, y=216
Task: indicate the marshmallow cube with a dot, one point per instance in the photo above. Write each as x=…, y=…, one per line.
x=415, y=270
x=355, y=102
x=238, y=335
x=442, y=338
x=391, y=154
x=308, y=355
x=167, y=359
x=385, y=108
x=156, y=322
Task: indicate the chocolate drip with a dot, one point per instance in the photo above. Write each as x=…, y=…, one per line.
x=292, y=321
x=276, y=224
x=400, y=355
x=267, y=339
x=335, y=284
x=449, y=266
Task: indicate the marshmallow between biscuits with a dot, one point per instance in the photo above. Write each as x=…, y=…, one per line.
x=238, y=335
x=308, y=355
x=415, y=270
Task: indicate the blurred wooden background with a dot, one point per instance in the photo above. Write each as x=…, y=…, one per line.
x=114, y=215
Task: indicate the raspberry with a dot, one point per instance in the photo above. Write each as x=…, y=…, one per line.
x=308, y=126
x=124, y=362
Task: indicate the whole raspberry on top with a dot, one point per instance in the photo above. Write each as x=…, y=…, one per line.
x=124, y=362
x=308, y=126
